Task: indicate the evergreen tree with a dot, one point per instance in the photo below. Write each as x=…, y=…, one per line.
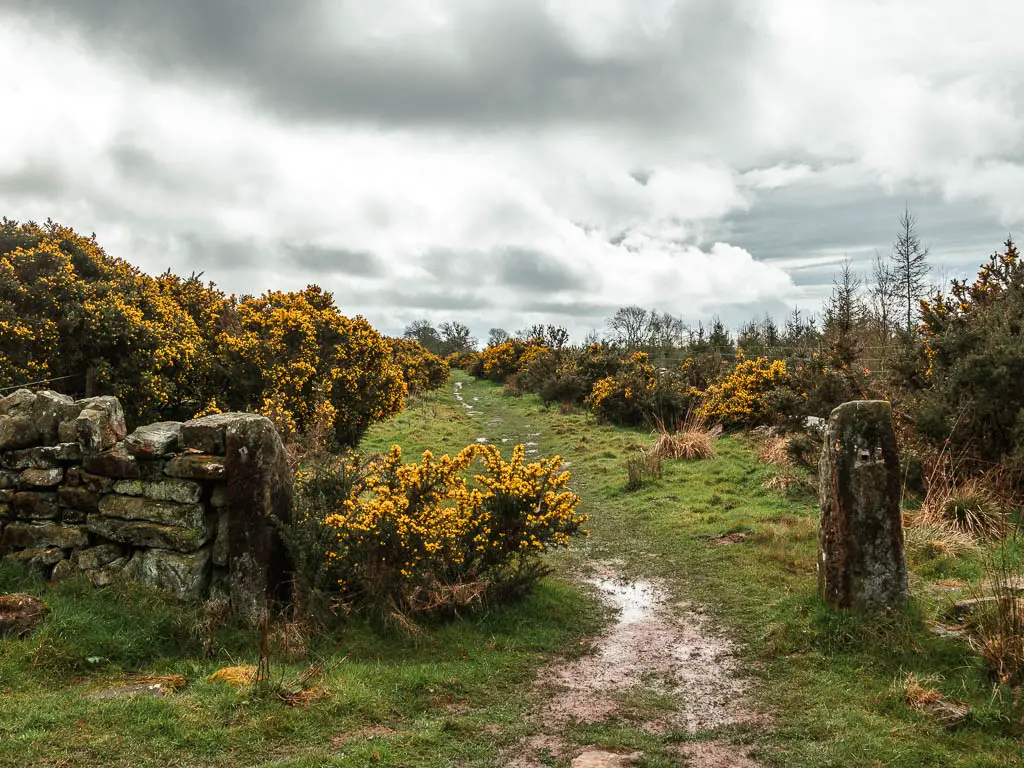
x=909, y=268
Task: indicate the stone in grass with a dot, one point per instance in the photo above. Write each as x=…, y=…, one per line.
x=186, y=576
x=98, y=556
x=861, y=562
x=20, y=614
x=151, y=687
x=598, y=758
x=153, y=441
x=39, y=558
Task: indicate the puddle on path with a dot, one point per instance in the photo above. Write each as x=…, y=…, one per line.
x=648, y=650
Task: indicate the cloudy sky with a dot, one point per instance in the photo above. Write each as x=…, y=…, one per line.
x=505, y=163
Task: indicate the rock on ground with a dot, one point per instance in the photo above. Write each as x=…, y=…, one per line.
x=20, y=614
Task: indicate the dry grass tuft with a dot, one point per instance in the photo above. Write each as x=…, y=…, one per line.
x=782, y=483
x=997, y=627
x=928, y=540
x=918, y=692
x=774, y=450
x=969, y=507
x=920, y=695
x=694, y=440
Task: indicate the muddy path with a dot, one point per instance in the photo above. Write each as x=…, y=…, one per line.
x=655, y=648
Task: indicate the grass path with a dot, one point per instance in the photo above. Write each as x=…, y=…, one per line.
x=824, y=683
x=504, y=686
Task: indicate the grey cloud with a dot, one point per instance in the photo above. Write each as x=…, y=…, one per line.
x=524, y=269
x=34, y=178
x=453, y=300
x=501, y=63
x=320, y=260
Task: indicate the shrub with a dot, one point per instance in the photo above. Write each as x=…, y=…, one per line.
x=67, y=309
x=974, y=357
x=422, y=370
x=639, y=393
x=420, y=538
x=500, y=361
x=741, y=397
x=297, y=359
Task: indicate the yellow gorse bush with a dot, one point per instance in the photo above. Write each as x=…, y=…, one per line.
x=398, y=530
x=422, y=370
x=740, y=398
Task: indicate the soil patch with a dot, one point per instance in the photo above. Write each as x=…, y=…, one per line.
x=650, y=650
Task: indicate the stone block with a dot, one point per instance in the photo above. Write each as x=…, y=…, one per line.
x=40, y=478
x=142, y=533
x=861, y=562
x=108, y=574
x=30, y=505
x=31, y=458
x=19, y=403
x=9, y=478
x=196, y=466
x=207, y=433
x=49, y=410
x=80, y=498
x=153, y=440
x=77, y=477
x=40, y=558
x=151, y=510
x=115, y=462
x=18, y=432
x=220, y=541
x=180, y=491
x=259, y=488
x=219, y=496
x=100, y=424
x=38, y=535
x=98, y=556
x=186, y=576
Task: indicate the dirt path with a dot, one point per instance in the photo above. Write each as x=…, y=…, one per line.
x=654, y=649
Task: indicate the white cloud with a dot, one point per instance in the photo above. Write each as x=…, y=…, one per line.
x=175, y=171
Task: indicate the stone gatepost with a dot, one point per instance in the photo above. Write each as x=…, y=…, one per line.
x=861, y=561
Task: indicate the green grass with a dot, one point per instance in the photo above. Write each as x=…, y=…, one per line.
x=457, y=693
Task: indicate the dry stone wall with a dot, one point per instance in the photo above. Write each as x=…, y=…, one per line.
x=183, y=506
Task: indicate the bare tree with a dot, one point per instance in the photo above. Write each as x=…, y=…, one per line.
x=884, y=301
x=497, y=336
x=425, y=333
x=910, y=267
x=456, y=337
x=629, y=326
